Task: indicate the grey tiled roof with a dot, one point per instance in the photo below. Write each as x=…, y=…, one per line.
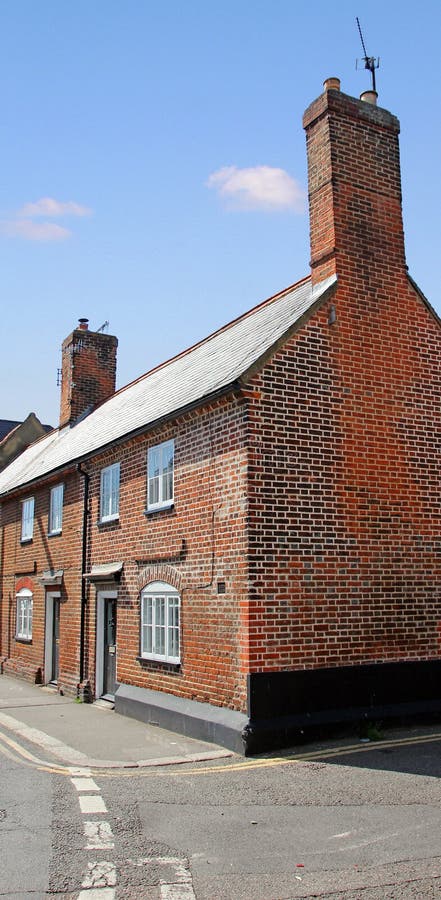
x=213, y=364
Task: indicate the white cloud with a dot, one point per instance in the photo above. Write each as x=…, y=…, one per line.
x=47, y=206
x=258, y=187
x=23, y=224
x=35, y=231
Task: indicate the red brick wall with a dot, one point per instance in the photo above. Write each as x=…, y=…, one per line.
x=200, y=541
x=44, y=552
x=345, y=493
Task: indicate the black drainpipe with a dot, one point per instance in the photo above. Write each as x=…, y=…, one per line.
x=86, y=477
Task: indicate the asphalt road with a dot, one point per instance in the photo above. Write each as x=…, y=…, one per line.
x=330, y=822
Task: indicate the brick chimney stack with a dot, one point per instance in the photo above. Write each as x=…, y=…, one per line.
x=356, y=224
x=88, y=372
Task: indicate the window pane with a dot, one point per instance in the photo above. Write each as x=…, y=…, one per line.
x=147, y=631
x=154, y=462
x=167, y=487
x=160, y=626
x=109, y=503
x=105, y=492
x=56, y=508
x=27, y=521
x=173, y=627
x=20, y=628
x=153, y=490
x=167, y=457
x=114, y=500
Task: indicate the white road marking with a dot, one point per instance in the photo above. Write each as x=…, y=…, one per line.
x=100, y=880
x=85, y=784
x=181, y=887
x=90, y=803
x=99, y=836
x=343, y=834
x=100, y=874
x=176, y=891
x=97, y=894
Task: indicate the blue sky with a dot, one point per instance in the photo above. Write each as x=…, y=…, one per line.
x=154, y=167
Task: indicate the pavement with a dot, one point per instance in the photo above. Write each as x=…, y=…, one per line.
x=92, y=735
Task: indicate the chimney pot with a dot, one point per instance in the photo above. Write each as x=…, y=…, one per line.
x=369, y=97
x=83, y=324
x=331, y=84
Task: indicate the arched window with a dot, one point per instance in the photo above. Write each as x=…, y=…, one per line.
x=24, y=615
x=160, y=622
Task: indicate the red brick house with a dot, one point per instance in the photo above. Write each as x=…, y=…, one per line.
x=246, y=540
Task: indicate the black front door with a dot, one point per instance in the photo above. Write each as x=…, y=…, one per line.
x=109, y=668
x=55, y=641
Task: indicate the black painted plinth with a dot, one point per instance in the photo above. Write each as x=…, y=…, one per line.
x=284, y=706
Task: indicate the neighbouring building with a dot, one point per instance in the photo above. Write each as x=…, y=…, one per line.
x=246, y=541
x=16, y=436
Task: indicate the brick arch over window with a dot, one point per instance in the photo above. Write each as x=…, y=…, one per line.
x=24, y=582
x=167, y=574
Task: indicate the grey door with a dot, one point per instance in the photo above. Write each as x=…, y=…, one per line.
x=109, y=667
x=55, y=641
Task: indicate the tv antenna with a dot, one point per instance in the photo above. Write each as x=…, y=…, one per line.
x=370, y=62
x=104, y=328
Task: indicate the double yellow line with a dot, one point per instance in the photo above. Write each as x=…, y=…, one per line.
x=15, y=751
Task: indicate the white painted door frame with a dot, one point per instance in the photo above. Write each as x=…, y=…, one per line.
x=51, y=597
x=101, y=597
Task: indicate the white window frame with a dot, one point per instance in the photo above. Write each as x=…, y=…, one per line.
x=56, y=509
x=163, y=501
x=23, y=631
x=109, y=493
x=160, y=640
x=27, y=519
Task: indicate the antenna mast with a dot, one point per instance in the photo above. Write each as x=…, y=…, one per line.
x=370, y=62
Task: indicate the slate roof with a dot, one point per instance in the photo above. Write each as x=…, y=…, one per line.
x=199, y=372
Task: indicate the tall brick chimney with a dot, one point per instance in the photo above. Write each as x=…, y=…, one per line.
x=88, y=371
x=356, y=224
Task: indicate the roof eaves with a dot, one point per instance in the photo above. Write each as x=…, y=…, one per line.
x=43, y=478
x=233, y=387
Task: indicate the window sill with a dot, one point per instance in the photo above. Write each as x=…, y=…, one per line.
x=159, y=664
x=54, y=533
x=167, y=507
x=23, y=640
x=103, y=523
x=27, y=540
